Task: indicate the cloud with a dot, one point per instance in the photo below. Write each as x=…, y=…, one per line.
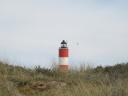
x=33, y=30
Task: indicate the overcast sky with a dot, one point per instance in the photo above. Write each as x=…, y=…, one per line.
x=96, y=31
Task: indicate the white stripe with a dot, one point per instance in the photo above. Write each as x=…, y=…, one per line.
x=63, y=60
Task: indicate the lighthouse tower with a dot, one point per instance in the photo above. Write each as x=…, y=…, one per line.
x=63, y=57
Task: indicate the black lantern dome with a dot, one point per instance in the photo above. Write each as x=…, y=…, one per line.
x=63, y=44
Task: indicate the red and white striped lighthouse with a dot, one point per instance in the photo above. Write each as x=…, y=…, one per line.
x=63, y=57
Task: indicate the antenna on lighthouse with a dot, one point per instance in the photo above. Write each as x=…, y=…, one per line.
x=63, y=57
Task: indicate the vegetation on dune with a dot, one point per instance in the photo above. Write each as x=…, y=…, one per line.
x=99, y=81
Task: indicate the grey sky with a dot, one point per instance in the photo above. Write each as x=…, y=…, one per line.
x=96, y=31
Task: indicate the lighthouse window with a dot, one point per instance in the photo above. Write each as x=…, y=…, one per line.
x=63, y=44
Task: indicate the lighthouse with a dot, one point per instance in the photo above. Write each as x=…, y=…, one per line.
x=63, y=57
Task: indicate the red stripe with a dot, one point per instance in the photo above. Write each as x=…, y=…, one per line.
x=64, y=67
x=63, y=52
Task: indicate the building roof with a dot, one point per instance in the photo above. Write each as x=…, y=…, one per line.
x=63, y=42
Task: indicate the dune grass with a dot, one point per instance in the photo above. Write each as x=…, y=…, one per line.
x=107, y=81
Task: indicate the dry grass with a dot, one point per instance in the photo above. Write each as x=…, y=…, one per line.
x=108, y=81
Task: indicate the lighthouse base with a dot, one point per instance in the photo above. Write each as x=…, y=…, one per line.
x=63, y=68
